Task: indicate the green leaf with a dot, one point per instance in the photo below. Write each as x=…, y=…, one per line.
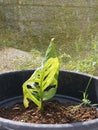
x=51, y=73
x=49, y=94
x=51, y=51
x=25, y=102
x=41, y=79
x=28, y=95
x=42, y=84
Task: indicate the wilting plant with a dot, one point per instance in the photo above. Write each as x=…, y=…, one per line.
x=42, y=84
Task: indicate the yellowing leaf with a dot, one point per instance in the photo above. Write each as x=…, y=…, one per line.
x=43, y=82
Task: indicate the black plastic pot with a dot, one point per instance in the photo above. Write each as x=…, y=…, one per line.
x=70, y=86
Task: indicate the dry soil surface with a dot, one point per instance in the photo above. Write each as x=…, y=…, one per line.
x=10, y=58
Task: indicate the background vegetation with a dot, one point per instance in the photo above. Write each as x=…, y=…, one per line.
x=29, y=26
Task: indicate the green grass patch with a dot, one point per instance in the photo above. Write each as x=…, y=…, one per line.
x=80, y=57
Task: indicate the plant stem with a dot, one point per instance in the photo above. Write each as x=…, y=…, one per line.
x=42, y=108
x=88, y=84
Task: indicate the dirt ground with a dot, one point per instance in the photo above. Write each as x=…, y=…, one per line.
x=10, y=58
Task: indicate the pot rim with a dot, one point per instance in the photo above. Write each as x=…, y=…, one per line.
x=61, y=70
x=77, y=124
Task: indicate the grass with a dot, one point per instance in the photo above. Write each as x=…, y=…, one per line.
x=79, y=58
x=31, y=63
x=86, y=65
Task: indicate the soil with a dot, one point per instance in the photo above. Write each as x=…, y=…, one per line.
x=10, y=58
x=54, y=113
